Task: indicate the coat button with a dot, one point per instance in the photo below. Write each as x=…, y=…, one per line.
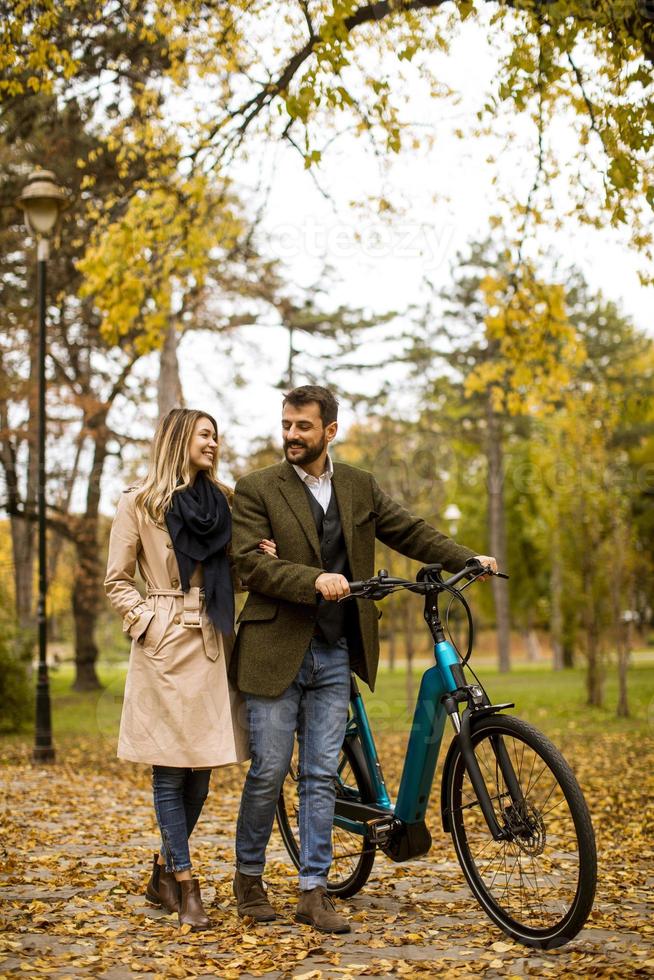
x=177, y=620
x=175, y=583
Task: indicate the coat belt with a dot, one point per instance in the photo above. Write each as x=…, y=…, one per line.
x=191, y=616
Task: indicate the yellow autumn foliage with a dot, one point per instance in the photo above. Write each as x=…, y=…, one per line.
x=240, y=65
x=138, y=266
x=535, y=347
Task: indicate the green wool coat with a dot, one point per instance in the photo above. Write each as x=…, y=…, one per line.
x=278, y=619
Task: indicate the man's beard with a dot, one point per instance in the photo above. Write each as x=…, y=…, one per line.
x=309, y=455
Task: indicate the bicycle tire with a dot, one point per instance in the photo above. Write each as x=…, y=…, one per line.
x=534, y=833
x=345, y=884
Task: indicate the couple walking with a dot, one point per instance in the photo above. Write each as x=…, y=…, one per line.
x=293, y=534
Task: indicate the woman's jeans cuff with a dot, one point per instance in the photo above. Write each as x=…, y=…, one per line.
x=253, y=870
x=312, y=881
x=167, y=866
x=182, y=867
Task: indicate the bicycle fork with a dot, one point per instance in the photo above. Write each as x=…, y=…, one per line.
x=464, y=736
x=477, y=705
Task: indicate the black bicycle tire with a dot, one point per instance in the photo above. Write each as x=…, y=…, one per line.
x=571, y=923
x=354, y=882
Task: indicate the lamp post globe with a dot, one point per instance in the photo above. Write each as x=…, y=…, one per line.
x=452, y=515
x=42, y=201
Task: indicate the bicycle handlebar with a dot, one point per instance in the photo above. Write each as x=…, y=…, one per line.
x=381, y=585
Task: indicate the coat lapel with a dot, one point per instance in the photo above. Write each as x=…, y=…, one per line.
x=296, y=497
x=342, y=486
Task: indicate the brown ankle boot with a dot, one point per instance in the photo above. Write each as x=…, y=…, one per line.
x=163, y=889
x=251, y=898
x=315, y=908
x=192, y=911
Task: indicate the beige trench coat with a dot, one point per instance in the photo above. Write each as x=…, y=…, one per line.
x=179, y=707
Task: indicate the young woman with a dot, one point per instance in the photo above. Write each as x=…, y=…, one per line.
x=180, y=714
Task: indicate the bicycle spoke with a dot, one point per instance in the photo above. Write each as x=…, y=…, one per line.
x=532, y=785
x=543, y=802
x=531, y=771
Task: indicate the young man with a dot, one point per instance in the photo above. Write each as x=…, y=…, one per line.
x=296, y=644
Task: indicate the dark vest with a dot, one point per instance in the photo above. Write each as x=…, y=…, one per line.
x=331, y=621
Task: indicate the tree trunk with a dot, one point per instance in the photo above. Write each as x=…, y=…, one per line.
x=595, y=672
x=169, y=390
x=497, y=533
x=594, y=667
x=556, y=601
x=85, y=607
x=624, y=649
x=22, y=540
x=532, y=644
x=568, y=655
x=89, y=573
x=622, y=617
x=63, y=508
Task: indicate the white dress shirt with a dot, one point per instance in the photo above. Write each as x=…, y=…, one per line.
x=320, y=486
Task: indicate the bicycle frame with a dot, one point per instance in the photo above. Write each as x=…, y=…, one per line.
x=426, y=736
x=400, y=830
x=420, y=760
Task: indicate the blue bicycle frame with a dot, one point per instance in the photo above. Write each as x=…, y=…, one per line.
x=422, y=750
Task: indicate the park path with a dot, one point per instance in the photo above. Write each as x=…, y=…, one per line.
x=77, y=840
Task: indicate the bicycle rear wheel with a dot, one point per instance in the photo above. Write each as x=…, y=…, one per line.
x=353, y=855
x=538, y=884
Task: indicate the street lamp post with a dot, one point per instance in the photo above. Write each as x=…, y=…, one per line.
x=42, y=200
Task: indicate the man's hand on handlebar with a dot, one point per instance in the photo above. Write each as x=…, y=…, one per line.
x=332, y=586
x=488, y=562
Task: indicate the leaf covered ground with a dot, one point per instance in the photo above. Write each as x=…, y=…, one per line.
x=77, y=840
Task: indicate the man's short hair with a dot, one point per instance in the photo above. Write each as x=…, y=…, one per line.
x=314, y=393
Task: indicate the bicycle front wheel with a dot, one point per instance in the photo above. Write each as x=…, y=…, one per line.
x=537, y=884
x=353, y=855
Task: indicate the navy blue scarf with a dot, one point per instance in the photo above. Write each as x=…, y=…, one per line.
x=200, y=525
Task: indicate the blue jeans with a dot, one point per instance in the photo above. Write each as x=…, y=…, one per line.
x=315, y=705
x=179, y=796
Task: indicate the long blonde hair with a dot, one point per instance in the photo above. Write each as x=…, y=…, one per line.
x=169, y=469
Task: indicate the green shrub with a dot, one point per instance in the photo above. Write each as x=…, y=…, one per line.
x=16, y=690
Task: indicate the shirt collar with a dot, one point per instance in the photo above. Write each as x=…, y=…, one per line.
x=326, y=474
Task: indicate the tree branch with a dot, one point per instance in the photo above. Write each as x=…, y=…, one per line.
x=589, y=105
x=251, y=108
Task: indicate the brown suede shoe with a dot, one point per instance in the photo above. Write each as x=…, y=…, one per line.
x=162, y=889
x=251, y=898
x=315, y=908
x=192, y=911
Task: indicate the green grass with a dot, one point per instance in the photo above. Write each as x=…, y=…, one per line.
x=94, y=714
x=552, y=701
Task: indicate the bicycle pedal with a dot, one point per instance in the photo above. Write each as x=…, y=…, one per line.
x=380, y=830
